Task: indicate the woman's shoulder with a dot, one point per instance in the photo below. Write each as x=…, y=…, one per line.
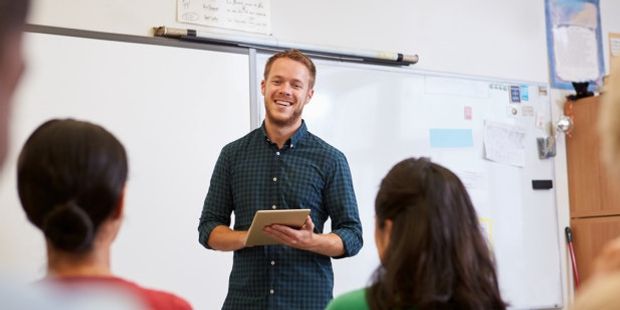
x=153, y=299
x=157, y=299
x=354, y=300
x=164, y=300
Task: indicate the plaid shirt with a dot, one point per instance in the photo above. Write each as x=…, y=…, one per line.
x=253, y=174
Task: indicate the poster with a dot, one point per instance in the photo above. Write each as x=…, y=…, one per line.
x=574, y=42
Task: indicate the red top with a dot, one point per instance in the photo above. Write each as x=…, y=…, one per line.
x=153, y=299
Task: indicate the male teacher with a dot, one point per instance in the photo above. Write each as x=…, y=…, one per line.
x=281, y=165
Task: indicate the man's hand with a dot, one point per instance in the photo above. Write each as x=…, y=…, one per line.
x=303, y=238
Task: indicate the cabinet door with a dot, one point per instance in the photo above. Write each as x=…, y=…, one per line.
x=592, y=192
x=589, y=237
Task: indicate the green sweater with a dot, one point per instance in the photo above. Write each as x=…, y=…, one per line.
x=354, y=300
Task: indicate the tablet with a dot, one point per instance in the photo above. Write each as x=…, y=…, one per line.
x=289, y=217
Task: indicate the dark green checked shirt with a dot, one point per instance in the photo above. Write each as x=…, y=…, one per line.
x=253, y=174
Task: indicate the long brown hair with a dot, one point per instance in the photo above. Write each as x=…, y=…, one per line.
x=437, y=257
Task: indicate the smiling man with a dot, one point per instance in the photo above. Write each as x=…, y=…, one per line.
x=282, y=166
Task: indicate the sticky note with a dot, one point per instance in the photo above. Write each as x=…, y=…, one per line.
x=524, y=92
x=467, y=113
x=450, y=138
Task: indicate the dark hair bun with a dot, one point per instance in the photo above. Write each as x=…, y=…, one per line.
x=69, y=228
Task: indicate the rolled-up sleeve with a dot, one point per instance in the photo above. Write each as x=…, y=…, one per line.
x=342, y=207
x=217, y=206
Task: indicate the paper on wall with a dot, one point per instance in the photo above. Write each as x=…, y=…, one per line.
x=504, y=144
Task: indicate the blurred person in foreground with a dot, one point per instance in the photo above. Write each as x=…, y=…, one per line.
x=12, y=21
x=600, y=291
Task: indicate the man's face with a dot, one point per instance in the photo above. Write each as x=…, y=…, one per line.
x=11, y=69
x=286, y=90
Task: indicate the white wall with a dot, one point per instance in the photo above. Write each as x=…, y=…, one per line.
x=610, y=23
x=485, y=37
x=491, y=38
x=494, y=38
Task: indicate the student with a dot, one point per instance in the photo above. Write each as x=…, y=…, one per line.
x=71, y=182
x=12, y=20
x=281, y=165
x=13, y=294
x=432, y=251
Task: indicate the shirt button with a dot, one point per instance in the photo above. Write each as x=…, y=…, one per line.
x=273, y=262
x=271, y=291
x=278, y=153
x=275, y=179
x=274, y=207
x=292, y=146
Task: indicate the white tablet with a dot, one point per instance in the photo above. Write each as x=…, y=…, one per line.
x=289, y=217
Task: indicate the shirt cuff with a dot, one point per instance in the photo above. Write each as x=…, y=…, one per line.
x=351, y=241
x=204, y=231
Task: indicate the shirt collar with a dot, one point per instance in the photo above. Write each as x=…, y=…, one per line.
x=297, y=136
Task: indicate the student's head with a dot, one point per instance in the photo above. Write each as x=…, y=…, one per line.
x=70, y=178
x=287, y=86
x=433, y=254
x=12, y=20
x=610, y=121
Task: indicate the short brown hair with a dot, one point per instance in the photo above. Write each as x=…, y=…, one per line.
x=295, y=55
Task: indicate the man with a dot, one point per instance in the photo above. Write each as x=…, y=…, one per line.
x=12, y=20
x=282, y=166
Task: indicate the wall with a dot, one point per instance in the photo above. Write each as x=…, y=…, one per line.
x=491, y=38
x=609, y=13
x=503, y=39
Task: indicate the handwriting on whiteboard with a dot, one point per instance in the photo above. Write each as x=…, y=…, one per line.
x=504, y=143
x=243, y=15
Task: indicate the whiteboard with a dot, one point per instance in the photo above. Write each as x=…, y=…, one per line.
x=173, y=109
x=378, y=116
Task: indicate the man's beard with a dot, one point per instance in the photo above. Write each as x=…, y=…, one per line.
x=289, y=121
